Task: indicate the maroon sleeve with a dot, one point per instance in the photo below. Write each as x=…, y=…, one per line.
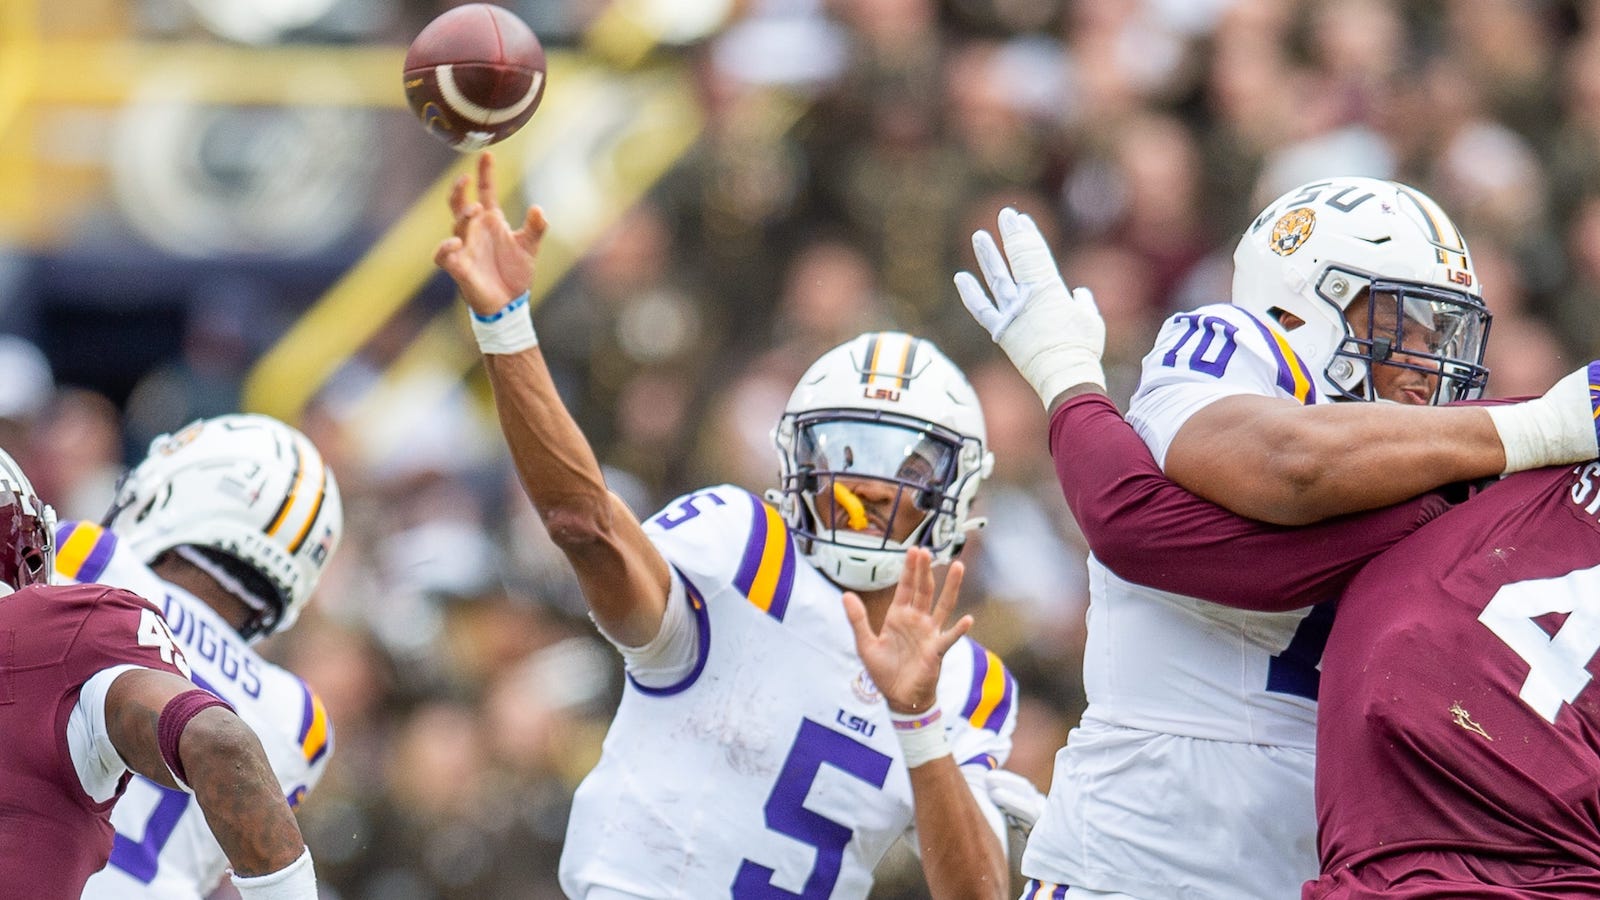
x=1150, y=531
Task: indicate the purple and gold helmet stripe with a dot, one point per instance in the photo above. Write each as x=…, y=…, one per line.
x=315, y=736
x=766, y=573
x=989, y=700
x=83, y=549
x=308, y=470
x=1294, y=377
x=890, y=356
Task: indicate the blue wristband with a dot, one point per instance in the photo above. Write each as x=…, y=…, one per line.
x=516, y=303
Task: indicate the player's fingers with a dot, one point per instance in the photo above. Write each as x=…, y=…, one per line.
x=531, y=234
x=950, y=593
x=444, y=254
x=857, y=614
x=948, y=637
x=920, y=563
x=486, y=189
x=1025, y=247
x=458, y=195
x=976, y=300
x=992, y=263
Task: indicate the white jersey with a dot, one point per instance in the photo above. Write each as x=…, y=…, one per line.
x=764, y=763
x=163, y=848
x=1191, y=775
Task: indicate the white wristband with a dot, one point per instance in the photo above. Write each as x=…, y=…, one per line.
x=1556, y=429
x=296, y=881
x=508, y=331
x=921, y=736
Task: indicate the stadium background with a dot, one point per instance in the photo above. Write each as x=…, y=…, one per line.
x=208, y=205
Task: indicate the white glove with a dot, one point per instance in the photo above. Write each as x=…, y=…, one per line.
x=1053, y=336
x=1557, y=429
x=1017, y=798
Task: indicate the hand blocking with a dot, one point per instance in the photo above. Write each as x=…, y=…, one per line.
x=1559, y=428
x=1055, y=337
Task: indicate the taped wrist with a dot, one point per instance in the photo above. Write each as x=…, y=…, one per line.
x=1048, y=345
x=296, y=881
x=921, y=736
x=1556, y=429
x=174, y=719
x=508, y=331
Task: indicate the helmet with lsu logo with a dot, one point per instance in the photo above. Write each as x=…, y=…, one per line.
x=246, y=499
x=888, y=412
x=27, y=531
x=1321, y=247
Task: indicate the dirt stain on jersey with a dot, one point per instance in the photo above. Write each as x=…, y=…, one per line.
x=1464, y=719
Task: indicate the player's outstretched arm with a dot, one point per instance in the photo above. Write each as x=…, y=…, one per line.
x=623, y=576
x=1275, y=460
x=962, y=856
x=1150, y=531
x=165, y=729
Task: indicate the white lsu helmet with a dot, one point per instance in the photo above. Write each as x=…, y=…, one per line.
x=245, y=498
x=1316, y=249
x=886, y=407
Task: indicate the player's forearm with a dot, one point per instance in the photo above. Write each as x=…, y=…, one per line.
x=558, y=469
x=622, y=575
x=1293, y=465
x=243, y=804
x=962, y=858
x=1150, y=531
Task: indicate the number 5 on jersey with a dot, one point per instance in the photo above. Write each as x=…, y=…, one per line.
x=153, y=632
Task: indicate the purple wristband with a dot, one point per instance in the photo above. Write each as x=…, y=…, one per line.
x=913, y=722
x=175, y=718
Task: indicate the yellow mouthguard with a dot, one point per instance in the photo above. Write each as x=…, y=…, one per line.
x=854, y=509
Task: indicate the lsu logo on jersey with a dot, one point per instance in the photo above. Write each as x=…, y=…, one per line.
x=1292, y=229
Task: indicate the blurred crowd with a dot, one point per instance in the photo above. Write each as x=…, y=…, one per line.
x=469, y=692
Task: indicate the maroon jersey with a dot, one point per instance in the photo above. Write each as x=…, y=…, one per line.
x=53, y=836
x=1459, y=733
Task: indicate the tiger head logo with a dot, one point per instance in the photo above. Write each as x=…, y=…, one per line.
x=1292, y=229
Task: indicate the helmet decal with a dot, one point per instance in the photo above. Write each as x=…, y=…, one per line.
x=1292, y=229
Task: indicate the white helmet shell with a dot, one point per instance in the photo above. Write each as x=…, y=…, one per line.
x=894, y=410
x=1313, y=251
x=246, y=486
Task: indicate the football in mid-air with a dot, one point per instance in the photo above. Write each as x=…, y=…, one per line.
x=474, y=75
